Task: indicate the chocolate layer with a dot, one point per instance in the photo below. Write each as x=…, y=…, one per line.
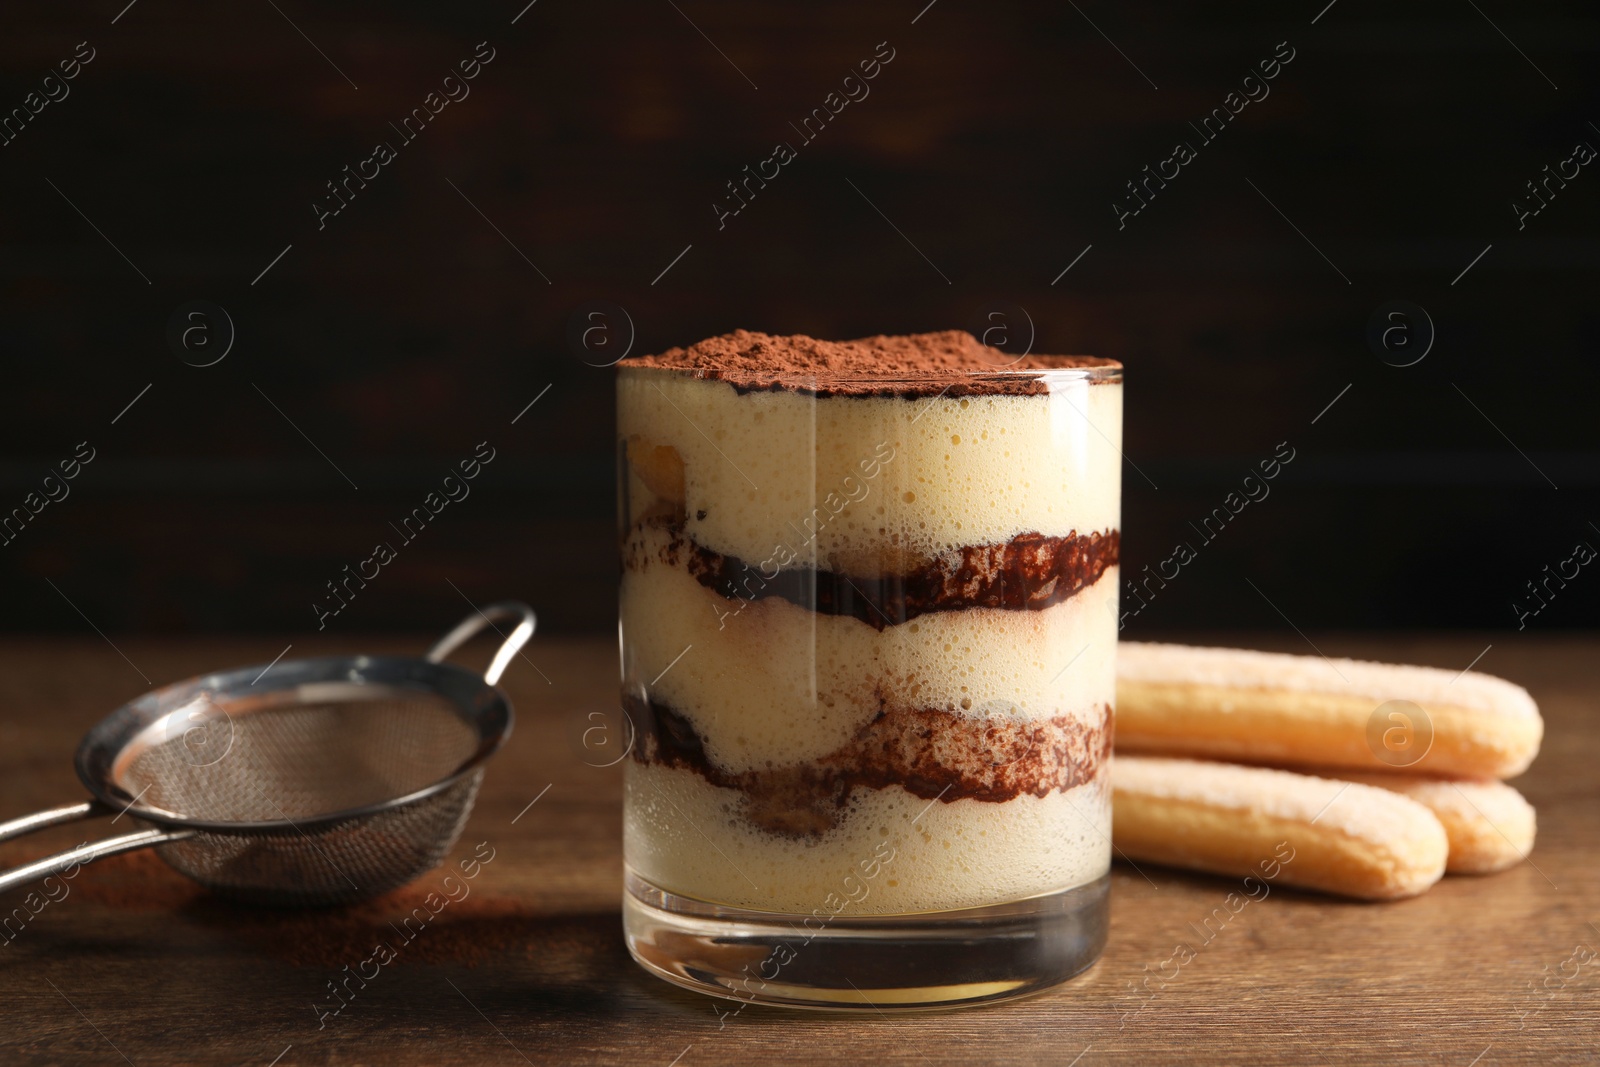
x=951, y=364
x=1028, y=573
x=936, y=755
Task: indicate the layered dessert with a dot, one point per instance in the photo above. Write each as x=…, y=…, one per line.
x=869, y=620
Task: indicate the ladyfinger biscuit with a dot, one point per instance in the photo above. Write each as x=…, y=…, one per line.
x=1266, y=707
x=1490, y=825
x=1337, y=837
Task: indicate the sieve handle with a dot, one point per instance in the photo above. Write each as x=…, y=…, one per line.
x=504, y=611
x=76, y=857
x=88, y=853
x=42, y=820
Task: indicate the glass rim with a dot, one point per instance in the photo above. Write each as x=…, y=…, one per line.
x=1100, y=373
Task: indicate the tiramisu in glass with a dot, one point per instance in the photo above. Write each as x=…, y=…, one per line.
x=869, y=623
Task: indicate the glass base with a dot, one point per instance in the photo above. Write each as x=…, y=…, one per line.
x=866, y=962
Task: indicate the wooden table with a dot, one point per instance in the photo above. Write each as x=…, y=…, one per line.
x=134, y=964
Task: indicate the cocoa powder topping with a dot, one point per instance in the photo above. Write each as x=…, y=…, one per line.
x=952, y=363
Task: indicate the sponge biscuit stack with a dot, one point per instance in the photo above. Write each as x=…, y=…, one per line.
x=1388, y=774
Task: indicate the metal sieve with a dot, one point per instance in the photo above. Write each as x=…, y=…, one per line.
x=306, y=782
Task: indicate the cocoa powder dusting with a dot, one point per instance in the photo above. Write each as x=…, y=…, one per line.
x=951, y=363
x=1030, y=572
x=476, y=928
x=935, y=755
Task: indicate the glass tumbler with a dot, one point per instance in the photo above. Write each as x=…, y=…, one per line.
x=868, y=635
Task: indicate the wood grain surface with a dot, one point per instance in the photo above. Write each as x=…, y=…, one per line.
x=136, y=965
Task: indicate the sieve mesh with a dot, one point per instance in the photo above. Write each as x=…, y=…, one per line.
x=334, y=780
x=349, y=861
x=301, y=761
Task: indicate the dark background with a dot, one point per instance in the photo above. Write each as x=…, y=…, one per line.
x=409, y=329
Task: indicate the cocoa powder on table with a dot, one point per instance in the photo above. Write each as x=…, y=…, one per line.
x=479, y=927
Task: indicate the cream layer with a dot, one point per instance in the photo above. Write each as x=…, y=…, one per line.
x=769, y=683
x=855, y=484
x=963, y=854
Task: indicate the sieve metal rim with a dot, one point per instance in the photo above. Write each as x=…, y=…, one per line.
x=478, y=704
x=428, y=673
